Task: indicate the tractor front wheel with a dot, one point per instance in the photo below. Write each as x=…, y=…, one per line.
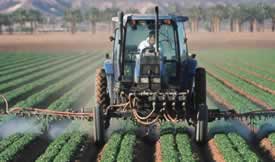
x=201, y=129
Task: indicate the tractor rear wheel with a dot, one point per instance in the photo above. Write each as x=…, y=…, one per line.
x=101, y=93
x=102, y=102
x=201, y=129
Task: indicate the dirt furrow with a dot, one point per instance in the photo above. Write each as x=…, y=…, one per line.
x=216, y=154
x=267, y=146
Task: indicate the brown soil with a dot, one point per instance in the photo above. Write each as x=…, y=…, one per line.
x=268, y=147
x=100, y=154
x=87, y=41
x=144, y=152
x=216, y=154
x=158, y=156
x=239, y=91
x=206, y=40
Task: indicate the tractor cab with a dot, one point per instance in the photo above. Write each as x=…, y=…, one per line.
x=159, y=63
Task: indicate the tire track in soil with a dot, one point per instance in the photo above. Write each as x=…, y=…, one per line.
x=144, y=152
x=254, y=142
x=89, y=153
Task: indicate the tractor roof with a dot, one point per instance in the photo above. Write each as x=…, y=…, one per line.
x=150, y=17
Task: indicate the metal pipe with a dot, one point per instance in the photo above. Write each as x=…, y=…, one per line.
x=157, y=29
x=121, y=49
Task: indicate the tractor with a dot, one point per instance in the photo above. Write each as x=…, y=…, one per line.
x=159, y=82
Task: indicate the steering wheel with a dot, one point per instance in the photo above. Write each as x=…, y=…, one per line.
x=148, y=50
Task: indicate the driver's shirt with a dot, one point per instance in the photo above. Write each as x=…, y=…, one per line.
x=144, y=44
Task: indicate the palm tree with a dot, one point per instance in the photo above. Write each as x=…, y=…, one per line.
x=236, y=16
x=20, y=16
x=271, y=14
x=262, y=14
x=195, y=15
x=132, y=11
x=216, y=14
x=34, y=17
x=107, y=15
x=93, y=16
x=2, y=22
x=73, y=17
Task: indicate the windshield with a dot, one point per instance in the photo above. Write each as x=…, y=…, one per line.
x=139, y=33
x=138, y=37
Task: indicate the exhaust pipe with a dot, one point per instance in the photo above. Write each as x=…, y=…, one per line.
x=157, y=29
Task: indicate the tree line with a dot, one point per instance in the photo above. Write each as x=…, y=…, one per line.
x=209, y=18
x=21, y=17
x=236, y=16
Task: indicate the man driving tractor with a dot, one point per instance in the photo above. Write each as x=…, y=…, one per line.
x=148, y=43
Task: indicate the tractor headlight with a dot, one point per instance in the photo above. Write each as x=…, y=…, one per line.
x=146, y=80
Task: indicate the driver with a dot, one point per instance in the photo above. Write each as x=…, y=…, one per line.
x=148, y=43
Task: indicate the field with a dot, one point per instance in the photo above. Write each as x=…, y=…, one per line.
x=62, y=77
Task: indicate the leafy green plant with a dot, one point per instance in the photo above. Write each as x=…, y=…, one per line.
x=112, y=147
x=184, y=146
x=126, y=152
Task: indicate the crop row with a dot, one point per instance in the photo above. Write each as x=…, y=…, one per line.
x=72, y=96
x=11, y=151
x=239, y=103
x=28, y=64
x=250, y=89
x=20, y=74
x=18, y=62
x=175, y=144
x=258, y=78
x=41, y=71
x=38, y=97
x=234, y=148
x=247, y=80
x=44, y=80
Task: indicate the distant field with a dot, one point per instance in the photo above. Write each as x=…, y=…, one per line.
x=239, y=78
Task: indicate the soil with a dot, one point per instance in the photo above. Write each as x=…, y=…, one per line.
x=100, y=41
x=40, y=144
x=144, y=152
x=158, y=156
x=217, y=156
x=268, y=147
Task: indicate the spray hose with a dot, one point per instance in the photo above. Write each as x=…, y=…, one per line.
x=6, y=103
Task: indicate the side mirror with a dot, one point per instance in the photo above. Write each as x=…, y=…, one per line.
x=111, y=38
x=185, y=40
x=107, y=56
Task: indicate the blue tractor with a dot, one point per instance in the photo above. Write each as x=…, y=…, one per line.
x=156, y=83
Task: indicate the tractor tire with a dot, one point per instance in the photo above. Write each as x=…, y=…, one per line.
x=102, y=97
x=98, y=126
x=201, y=129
